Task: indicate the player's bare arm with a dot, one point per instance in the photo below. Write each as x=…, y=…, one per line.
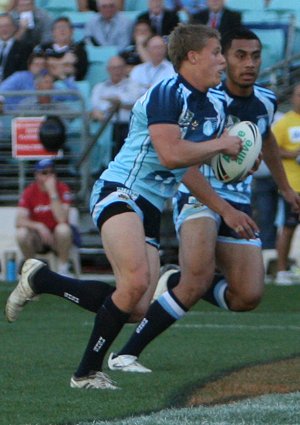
x=237, y=220
x=175, y=152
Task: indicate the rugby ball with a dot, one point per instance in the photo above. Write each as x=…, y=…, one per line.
x=230, y=170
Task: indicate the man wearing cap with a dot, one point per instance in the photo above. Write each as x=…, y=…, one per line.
x=43, y=214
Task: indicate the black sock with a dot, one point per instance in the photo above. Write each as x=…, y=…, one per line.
x=157, y=320
x=89, y=294
x=108, y=323
x=217, y=297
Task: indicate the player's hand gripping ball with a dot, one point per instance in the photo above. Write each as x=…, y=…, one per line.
x=231, y=170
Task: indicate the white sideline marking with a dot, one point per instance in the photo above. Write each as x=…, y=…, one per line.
x=250, y=327
x=214, y=326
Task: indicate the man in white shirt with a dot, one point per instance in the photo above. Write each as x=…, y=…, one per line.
x=157, y=68
x=109, y=27
x=117, y=91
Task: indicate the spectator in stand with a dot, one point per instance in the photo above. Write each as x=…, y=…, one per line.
x=137, y=53
x=43, y=216
x=189, y=6
x=287, y=132
x=156, y=68
x=13, y=53
x=62, y=43
x=34, y=23
x=162, y=21
x=26, y=80
x=109, y=27
x=22, y=80
x=62, y=68
x=117, y=91
x=216, y=15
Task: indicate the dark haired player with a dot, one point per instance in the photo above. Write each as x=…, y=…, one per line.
x=206, y=242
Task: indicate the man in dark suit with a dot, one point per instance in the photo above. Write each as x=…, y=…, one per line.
x=13, y=53
x=162, y=21
x=216, y=15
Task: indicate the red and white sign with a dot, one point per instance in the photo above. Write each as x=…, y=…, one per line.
x=25, y=139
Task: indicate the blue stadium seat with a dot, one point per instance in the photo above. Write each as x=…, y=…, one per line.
x=131, y=14
x=98, y=57
x=140, y=5
x=273, y=41
x=59, y=7
x=265, y=17
x=245, y=5
x=284, y=5
x=78, y=20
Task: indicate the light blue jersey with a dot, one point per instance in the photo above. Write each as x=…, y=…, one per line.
x=200, y=116
x=259, y=108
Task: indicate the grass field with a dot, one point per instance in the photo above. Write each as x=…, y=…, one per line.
x=211, y=357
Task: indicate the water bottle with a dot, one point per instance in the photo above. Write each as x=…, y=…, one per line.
x=11, y=267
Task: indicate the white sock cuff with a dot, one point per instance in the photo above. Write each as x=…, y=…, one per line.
x=219, y=294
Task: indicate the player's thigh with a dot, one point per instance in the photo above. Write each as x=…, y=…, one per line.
x=242, y=265
x=197, y=246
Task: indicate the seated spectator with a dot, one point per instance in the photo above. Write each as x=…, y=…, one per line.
x=61, y=67
x=157, y=68
x=137, y=53
x=45, y=102
x=216, y=15
x=62, y=43
x=117, y=91
x=26, y=80
x=109, y=27
x=189, y=6
x=34, y=23
x=22, y=80
x=162, y=21
x=13, y=53
x=43, y=216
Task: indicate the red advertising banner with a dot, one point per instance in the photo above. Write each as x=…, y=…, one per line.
x=25, y=139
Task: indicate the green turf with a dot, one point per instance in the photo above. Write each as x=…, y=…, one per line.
x=41, y=350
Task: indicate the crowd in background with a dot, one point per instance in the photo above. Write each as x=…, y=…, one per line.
x=38, y=52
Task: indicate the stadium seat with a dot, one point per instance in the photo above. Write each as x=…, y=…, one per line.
x=78, y=20
x=245, y=5
x=140, y=5
x=286, y=5
x=131, y=14
x=273, y=41
x=265, y=17
x=98, y=57
x=58, y=7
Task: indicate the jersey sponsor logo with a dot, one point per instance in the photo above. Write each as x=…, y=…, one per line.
x=126, y=193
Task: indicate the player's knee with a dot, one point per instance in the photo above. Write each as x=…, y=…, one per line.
x=246, y=301
x=138, y=283
x=22, y=235
x=62, y=231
